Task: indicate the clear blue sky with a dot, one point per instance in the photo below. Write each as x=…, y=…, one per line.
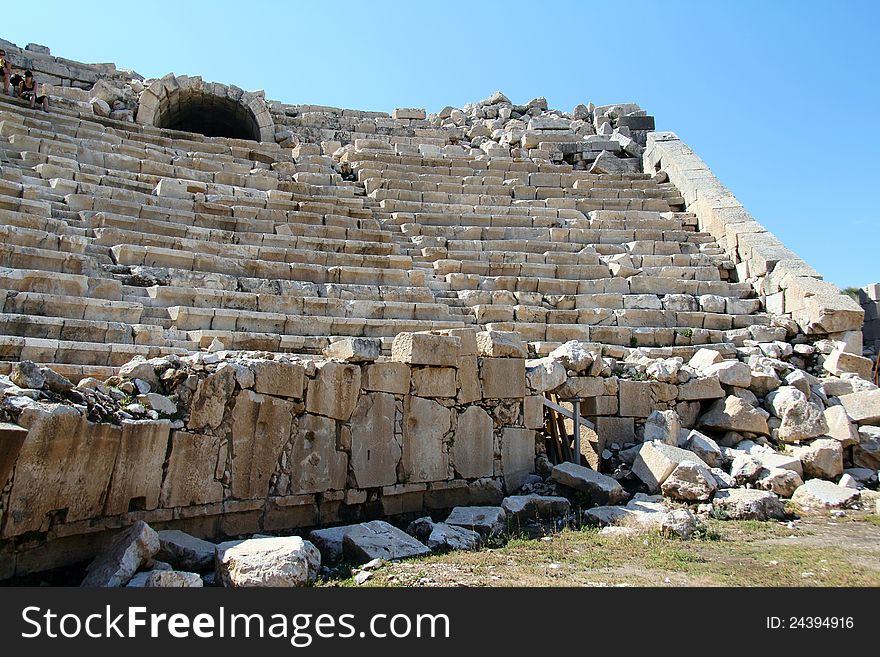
x=779, y=98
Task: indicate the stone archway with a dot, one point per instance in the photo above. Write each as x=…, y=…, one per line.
x=209, y=108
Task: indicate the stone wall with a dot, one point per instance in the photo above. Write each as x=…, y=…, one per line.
x=869, y=298
x=786, y=284
x=224, y=445
x=59, y=71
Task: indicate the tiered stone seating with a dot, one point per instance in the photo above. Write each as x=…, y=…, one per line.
x=122, y=239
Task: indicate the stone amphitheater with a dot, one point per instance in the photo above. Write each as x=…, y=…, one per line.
x=226, y=315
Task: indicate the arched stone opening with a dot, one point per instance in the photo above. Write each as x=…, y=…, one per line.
x=208, y=108
x=207, y=114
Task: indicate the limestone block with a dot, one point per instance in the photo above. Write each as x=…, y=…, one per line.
x=185, y=552
x=434, y=381
x=544, y=374
x=574, y=356
x=474, y=444
x=11, y=439
x=468, y=380
x=840, y=427
x=408, y=113
x=501, y=344
x=315, y=464
x=690, y=482
x=730, y=373
x=748, y=504
x=354, y=350
x=190, y=476
x=525, y=508
x=211, y=399
x=64, y=462
x=817, y=494
x=734, y=414
x=329, y=542
x=862, y=407
x=268, y=561
x=426, y=349
x=388, y=377
x=379, y=540
x=278, y=378
x=602, y=489
x=635, y=398
x=704, y=447
x=375, y=449
x=779, y=481
x=261, y=427
x=334, y=390
x=503, y=378
x=137, y=472
x=801, y=419
x=822, y=458
x=707, y=387
x=120, y=560
x=656, y=461
x=485, y=520
x=840, y=361
x=425, y=453
x=703, y=358
x=533, y=412
x=173, y=579
x=662, y=426
x=517, y=456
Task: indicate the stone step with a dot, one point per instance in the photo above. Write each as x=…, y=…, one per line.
x=42, y=350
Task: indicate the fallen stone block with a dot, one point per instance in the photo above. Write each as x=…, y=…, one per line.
x=378, y=539
x=173, y=579
x=689, y=482
x=818, y=494
x=354, y=350
x=544, y=374
x=822, y=458
x=662, y=426
x=487, y=521
x=777, y=480
x=185, y=552
x=535, y=507
x=704, y=447
x=655, y=462
x=602, y=489
x=574, y=356
x=734, y=414
x=862, y=407
x=801, y=419
x=329, y=542
x=679, y=523
x=270, y=561
x=748, y=504
x=451, y=537
x=127, y=552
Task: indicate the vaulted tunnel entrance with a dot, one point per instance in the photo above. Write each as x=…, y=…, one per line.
x=195, y=110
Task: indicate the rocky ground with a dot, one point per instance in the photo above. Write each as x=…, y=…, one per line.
x=812, y=551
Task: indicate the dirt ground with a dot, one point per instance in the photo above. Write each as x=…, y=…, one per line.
x=812, y=551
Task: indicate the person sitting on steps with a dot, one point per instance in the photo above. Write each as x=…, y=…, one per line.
x=27, y=90
x=14, y=83
x=5, y=71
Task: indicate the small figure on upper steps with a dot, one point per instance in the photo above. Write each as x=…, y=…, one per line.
x=28, y=91
x=5, y=71
x=14, y=83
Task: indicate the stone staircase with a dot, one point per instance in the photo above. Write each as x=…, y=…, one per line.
x=122, y=240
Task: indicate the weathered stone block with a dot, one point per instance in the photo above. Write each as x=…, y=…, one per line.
x=375, y=449
x=425, y=452
x=190, y=477
x=474, y=444
x=517, y=456
x=261, y=427
x=334, y=390
x=426, y=349
x=434, y=381
x=386, y=377
x=315, y=463
x=278, y=378
x=503, y=378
